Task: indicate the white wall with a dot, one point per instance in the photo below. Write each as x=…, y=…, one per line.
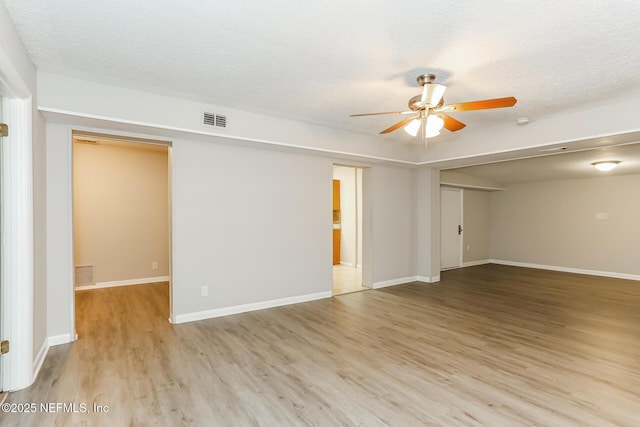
x=393, y=223
x=426, y=239
x=60, y=301
x=252, y=225
x=554, y=224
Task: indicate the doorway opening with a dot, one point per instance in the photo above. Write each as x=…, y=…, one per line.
x=347, y=229
x=121, y=229
x=451, y=229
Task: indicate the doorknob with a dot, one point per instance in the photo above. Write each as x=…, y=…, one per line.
x=459, y=230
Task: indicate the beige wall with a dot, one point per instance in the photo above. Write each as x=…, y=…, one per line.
x=476, y=207
x=121, y=210
x=554, y=223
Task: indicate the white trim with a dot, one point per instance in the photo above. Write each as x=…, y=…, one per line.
x=72, y=335
x=243, y=308
x=473, y=263
x=611, y=274
x=405, y=280
x=470, y=187
x=348, y=264
x=393, y=282
x=221, y=135
x=39, y=360
x=61, y=339
x=141, y=281
x=426, y=279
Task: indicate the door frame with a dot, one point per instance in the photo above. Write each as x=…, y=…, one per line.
x=17, y=277
x=461, y=240
x=363, y=228
x=77, y=131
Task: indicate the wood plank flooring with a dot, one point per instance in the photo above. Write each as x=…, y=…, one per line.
x=488, y=345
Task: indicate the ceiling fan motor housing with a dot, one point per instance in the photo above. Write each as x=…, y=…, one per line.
x=424, y=79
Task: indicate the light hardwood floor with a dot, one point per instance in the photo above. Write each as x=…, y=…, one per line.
x=347, y=279
x=488, y=345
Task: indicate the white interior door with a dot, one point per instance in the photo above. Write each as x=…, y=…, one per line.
x=450, y=228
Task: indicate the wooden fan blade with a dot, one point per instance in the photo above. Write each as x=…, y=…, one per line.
x=451, y=124
x=379, y=114
x=481, y=105
x=398, y=125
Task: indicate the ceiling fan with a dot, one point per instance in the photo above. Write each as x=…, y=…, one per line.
x=428, y=110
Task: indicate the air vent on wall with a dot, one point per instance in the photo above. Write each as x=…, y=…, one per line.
x=211, y=119
x=84, y=275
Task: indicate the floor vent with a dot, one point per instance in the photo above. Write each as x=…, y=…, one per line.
x=84, y=275
x=211, y=119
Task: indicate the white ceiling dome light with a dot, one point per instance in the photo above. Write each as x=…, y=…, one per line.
x=605, y=165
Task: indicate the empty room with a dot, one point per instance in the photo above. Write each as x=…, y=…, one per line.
x=361, y=213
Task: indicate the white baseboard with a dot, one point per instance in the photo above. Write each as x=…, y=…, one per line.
x=426, y=279
x=404, y=280
x=348, y=264
x=472, y=263
x=243, y=308
x=568, y=269
x=123, y=283
x=393, y=282
x=44, y=350
x=60, y=339
x=39, y=360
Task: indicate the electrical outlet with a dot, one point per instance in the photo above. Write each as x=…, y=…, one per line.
x=154, y=265
x=204, y=291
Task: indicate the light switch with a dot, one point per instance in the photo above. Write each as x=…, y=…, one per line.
x=602, y=215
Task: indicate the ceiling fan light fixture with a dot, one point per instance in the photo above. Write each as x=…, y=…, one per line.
x=432, y=94
x=606, y=165
x=434, y=125
x=429, y=111
x=413, y=127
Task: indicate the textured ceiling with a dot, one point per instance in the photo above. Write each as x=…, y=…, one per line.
x=321, y=61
